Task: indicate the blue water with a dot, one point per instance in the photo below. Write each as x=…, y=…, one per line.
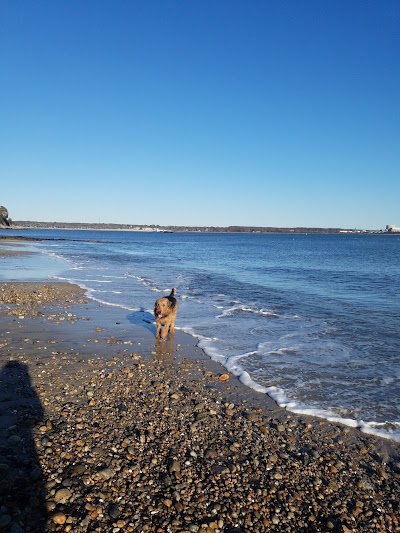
x=312, y=320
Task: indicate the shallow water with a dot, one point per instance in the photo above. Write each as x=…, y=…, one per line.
x=27, y=266
x=313, y=320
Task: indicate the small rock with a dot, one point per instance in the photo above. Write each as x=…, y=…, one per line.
x=62, y=495
x=174, y=466
x=114, y=512
x=106, y=473
x=59, y=518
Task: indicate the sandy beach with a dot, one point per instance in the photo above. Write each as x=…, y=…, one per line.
x=105, y=429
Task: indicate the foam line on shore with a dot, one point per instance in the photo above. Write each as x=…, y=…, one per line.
x=282, y=400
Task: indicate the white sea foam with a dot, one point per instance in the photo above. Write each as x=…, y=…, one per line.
x=190, y=331
x=282, y=399
x=246, y=380
x=105, y=292
x=89, y=293
x=114, y=277
x=186, y=297
x=206, y=344
x=78, y=281
x=94, y=280
x=148, y=283
x=391, y=431
x=244, y=309
x=388, y=380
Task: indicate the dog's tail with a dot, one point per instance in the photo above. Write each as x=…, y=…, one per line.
x=173, y=292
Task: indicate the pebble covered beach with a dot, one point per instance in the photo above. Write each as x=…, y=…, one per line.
x=105, y=429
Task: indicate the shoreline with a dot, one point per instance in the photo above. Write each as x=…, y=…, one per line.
x=131, y=433
x=194, y=229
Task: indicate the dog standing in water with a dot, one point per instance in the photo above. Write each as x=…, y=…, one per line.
x=165, y=310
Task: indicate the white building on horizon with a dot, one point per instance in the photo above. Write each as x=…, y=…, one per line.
x=392, y=229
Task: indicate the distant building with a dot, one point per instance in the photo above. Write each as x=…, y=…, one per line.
x=392, y=229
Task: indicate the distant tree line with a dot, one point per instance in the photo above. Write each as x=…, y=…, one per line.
x=156, y=227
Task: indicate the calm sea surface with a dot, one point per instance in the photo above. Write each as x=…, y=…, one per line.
x=312, y=320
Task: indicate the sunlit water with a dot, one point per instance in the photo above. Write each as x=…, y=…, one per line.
x=312, y=320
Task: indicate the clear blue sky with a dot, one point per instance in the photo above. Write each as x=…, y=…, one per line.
x=201, y=112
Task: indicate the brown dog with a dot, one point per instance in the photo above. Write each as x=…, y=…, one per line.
x=165, y=310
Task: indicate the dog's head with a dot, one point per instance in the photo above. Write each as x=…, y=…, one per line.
x=162, y=307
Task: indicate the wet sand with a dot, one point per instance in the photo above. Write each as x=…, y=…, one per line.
x=8, y=249
x=105, y=429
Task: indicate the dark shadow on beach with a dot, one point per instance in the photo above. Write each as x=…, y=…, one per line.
x=22, y=492
x=144, y=319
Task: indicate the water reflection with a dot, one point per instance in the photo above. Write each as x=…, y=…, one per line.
x=165, y=348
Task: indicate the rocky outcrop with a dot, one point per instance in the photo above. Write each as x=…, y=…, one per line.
x=4, y=219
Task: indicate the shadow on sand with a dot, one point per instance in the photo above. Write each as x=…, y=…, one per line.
x=144, y=319
x=22, y=493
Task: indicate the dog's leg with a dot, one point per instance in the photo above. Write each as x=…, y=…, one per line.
x=167, y=322
x=158, y=331
x=172, y=326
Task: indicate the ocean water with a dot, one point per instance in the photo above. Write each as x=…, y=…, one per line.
x=311, y=320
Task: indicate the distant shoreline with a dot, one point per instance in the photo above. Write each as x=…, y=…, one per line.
x=190, y=229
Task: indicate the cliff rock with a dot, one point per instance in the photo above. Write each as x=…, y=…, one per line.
x=4, y=220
